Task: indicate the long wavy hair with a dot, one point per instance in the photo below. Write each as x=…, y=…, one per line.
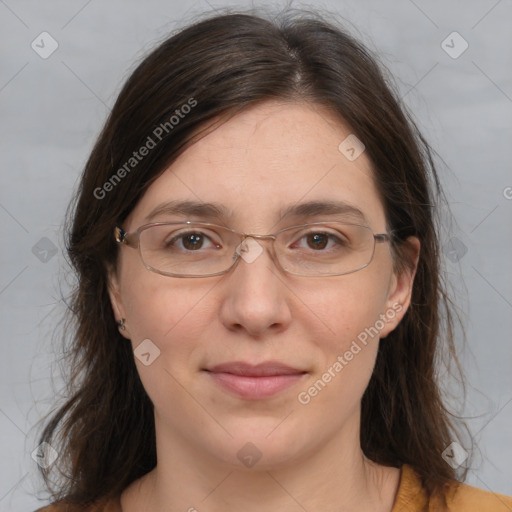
x=219, y=66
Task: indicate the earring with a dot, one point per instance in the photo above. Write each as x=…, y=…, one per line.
x=121, y=325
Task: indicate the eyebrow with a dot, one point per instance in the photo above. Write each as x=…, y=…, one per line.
x=218, y=211
x=329, y=207
x=190, y=208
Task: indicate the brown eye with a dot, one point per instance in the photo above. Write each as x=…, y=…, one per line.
x=192, y=241
x=317, y=240
x=188, y=241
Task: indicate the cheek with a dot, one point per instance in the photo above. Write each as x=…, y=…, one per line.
x=346, y=357
x=172, y=315
x=349, y=310
x=347, y=307
x=168, y=311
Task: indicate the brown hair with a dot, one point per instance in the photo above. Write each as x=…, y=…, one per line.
x=220, y=66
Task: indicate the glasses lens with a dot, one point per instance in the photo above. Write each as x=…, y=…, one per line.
x=325, y=249
x=186, y=249
x=319, y=249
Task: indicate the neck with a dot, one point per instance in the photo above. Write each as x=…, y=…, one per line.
x=333, y=477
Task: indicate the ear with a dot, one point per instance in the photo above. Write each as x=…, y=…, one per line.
x=114, y=292
x=400, y=288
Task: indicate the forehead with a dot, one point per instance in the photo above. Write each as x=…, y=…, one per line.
x=266, y=160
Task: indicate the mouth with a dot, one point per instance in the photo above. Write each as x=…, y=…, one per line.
x=254, y=382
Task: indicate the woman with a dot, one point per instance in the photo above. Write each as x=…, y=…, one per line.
x=259, y=303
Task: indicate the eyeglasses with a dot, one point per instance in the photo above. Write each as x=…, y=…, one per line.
x=198, y=249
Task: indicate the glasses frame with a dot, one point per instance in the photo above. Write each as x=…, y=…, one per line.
x=132, y=240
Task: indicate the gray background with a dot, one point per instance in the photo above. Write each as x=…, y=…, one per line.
x=52, y=109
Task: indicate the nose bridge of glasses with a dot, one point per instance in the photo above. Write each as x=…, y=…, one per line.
x=258, y=237
x=249, y=248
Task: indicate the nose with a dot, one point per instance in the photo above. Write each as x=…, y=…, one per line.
x=255, y=298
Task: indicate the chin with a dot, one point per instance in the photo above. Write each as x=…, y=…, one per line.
x=259, y=446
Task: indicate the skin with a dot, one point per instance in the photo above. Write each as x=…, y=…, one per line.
x=273, y=155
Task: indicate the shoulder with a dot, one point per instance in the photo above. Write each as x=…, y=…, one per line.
x=459, y=497
x=462, y=497
x=102, y=505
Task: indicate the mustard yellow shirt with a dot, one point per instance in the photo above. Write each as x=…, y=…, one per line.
x=410, y=497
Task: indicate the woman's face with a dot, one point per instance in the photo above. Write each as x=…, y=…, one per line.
x=263, y=161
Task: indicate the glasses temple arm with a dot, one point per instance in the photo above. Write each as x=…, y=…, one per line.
x=122, y=237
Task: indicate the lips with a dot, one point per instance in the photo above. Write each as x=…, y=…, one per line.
x=254, y=382
x=260, y=370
